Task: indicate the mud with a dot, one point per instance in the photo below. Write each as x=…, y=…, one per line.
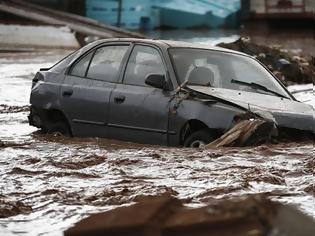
x=50, y=182
x=8, y=209
x=43, y=175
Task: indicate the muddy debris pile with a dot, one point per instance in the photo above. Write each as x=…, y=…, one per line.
x=167, y=216
x=290, y=69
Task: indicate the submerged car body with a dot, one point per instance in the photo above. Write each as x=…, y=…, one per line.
x=160, y=92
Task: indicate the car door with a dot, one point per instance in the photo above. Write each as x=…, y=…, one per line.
x=138, y=112
x=87, y=88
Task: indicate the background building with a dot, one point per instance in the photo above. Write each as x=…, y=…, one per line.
x=148, y=14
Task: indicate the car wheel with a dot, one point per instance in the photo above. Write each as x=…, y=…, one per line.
x=60, y=127
x=199, y=138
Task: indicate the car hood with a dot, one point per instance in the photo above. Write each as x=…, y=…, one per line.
x=285, y=112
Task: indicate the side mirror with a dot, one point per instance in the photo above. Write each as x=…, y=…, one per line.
x=156, y=81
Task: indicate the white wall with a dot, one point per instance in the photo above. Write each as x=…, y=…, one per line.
x=258, y=6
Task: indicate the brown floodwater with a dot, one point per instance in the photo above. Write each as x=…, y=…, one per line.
x=50, y=182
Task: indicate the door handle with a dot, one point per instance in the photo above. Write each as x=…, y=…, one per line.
x=67, y=93
x=119, y=99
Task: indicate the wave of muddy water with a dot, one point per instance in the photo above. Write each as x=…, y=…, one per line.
x=49, y=182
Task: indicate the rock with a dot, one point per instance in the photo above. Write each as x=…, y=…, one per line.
x=167, y=216
x=143, y=218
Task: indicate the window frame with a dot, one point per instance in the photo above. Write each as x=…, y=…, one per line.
x=128, y=59
x=93, y=51
x=78, y=61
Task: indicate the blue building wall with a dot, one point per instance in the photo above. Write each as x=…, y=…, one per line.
x=190, y=13
x=148, y=14
x=132, y=12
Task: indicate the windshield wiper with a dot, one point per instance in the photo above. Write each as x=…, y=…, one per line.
x=196, y=84
x=258, y=86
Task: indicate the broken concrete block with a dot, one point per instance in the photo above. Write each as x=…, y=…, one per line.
x=166, y=216
x=142, y=219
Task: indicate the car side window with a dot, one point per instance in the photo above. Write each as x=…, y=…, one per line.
x=143, y=61
x=106, y=62
x=79, y=69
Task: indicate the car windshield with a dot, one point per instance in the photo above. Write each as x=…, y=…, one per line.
x=224, y=70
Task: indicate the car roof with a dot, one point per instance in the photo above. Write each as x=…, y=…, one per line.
x=171, y=44
x=160, y=43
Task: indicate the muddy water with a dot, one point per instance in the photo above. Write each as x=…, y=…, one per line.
x=50, y=182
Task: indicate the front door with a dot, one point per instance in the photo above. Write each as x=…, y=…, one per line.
x=87, y=88
x=138, y=112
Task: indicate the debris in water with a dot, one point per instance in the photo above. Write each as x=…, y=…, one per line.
x=13, y=109
x=92, y=160
x=21, y=171
x=245, y=133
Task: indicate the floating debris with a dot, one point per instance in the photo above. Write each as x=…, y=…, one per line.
x=245, y=133
x=13, y=109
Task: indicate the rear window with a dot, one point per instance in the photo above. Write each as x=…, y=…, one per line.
x=79, y=69
x=63, y=64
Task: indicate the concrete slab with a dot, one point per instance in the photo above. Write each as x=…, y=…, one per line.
x=28, y=36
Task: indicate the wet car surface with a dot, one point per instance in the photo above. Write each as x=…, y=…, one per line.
x=160, y=92
x=49, y=182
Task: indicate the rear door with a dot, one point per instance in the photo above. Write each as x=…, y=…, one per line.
x=138, y=112
x=87, y=88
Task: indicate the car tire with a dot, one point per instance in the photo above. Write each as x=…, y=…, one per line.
x=60, y=127
x=199, y=138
